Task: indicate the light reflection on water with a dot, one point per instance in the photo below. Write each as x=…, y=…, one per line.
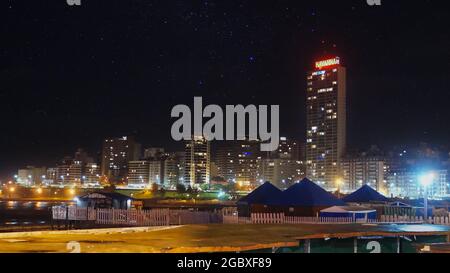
x=25, y=213
x=12, y=204
x=27, y=204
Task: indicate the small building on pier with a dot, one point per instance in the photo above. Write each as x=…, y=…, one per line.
x=105, y=200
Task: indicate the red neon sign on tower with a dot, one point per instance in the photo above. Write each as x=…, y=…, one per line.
x=327, y=63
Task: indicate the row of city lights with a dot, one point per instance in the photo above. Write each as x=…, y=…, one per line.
x=39, y=190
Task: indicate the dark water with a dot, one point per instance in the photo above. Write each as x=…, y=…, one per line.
x=25, y=213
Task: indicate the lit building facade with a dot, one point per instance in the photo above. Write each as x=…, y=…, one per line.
x=225, y=162
x=69, y=172
x=173, y=170
x=91, y=174
x=166, y=171
x=288, y=149
x=237, y=161
x=116, y=154
x=153, y=152
x=325, y=122
x=406, y=183
x=138, y=173
x=156, y=172
x=79, y=170
x=50, y=176
x=197, y=162
x=31, y=176
x=359, y=171
x=281, y=172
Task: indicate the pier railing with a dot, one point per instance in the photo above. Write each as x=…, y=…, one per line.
x=280, y=218
x=152, y=217
x=163, y=217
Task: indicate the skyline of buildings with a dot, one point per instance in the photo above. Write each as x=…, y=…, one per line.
x=392, y=174
x=322, y=156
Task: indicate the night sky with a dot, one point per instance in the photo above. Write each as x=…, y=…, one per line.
x=71, y=76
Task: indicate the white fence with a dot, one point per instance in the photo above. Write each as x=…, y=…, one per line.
x=234, y=219
x=153, y=217
x=157, y=217
x=163, y=217
x=437, y=220
x=280, y=218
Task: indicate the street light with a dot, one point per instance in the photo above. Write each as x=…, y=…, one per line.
x=426, y=180
x=339, y=182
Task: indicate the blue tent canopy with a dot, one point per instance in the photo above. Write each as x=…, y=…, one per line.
x=261, y=194
x=365, y=194
x=307, y=194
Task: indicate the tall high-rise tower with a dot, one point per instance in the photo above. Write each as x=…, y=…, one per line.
x=116, y=154
x=197, y=162
x=325, y=121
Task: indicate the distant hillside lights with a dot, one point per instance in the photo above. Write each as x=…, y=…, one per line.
x=213, y=128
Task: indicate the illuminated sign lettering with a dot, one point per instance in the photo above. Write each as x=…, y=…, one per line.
x=317, y=73
x=327, y=63
x=324, y=90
